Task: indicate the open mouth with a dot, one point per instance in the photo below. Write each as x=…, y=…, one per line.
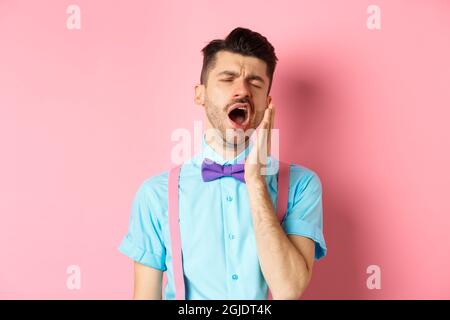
x=239, y=114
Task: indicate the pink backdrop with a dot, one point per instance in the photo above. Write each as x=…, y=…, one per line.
x=86, y=115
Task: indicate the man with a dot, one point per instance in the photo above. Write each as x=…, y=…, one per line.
x=233, y=246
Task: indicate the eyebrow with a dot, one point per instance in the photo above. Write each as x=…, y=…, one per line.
x=236, y=74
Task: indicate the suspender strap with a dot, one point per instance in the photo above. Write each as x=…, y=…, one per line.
x=175, y=232
x=174, y=173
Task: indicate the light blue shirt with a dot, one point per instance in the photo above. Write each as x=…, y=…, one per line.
x=220, y=258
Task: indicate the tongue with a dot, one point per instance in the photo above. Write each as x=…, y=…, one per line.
x=239, y=119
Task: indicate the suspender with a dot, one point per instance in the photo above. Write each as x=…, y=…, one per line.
x=175, y=233
x=174, y=173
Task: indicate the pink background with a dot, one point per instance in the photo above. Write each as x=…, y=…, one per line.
x=86, y=115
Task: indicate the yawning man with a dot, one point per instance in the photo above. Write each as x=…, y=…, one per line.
x=217, y=224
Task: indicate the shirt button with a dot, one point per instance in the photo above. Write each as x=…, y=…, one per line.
x=229, y=198
x=231, y=236
x=235, y=277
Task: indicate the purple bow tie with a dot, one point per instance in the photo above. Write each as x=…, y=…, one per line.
x=212, y=170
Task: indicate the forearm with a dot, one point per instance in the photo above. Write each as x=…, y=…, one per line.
x=282, y=265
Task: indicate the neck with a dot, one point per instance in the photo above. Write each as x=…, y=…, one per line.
x=227, y=151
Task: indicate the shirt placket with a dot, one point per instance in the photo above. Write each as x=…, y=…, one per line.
x=230, y=207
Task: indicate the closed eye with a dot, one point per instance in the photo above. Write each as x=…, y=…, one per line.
x=231, y=80
x=256, y=84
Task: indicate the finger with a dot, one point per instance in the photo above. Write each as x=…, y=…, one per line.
x=266, y=119
x=272, y=121
x=259, y=135
x=263, y=136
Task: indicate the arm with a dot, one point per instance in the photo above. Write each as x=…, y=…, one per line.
x=286, y=261
x=147, y=282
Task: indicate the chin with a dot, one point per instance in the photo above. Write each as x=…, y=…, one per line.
x=237, y=139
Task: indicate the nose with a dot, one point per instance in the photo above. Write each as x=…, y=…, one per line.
x=241, y=89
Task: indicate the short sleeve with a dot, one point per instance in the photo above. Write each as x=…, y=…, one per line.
x=144, y=241
x=304, y=216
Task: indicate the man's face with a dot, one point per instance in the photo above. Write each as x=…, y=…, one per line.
x=239, y=83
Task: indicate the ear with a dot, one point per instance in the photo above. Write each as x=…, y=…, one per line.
x=268, y=100
x=200, y=94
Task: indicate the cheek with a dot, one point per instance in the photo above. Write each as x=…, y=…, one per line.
x=214, y=108
x=258, y=117
x=218, y=97
x=260, y=108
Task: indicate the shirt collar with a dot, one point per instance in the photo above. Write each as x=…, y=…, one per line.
x=208, y=152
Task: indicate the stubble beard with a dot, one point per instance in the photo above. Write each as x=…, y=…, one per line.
x=230, y=138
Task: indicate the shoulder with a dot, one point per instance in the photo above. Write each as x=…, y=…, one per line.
x=153, y=190
x=157, y=185
x=302, y=177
